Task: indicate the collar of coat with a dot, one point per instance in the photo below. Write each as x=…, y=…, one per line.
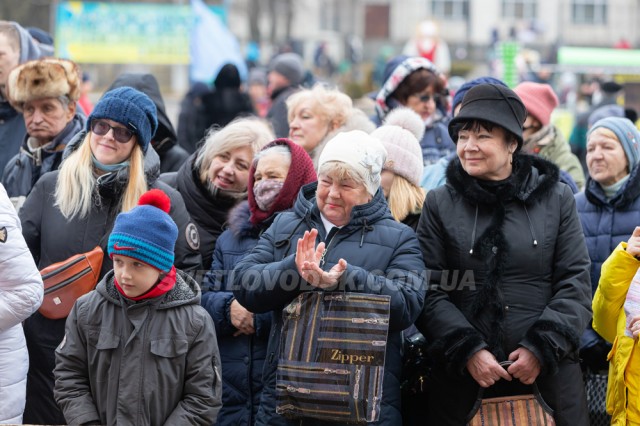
x=532, y=177
x=625, y=196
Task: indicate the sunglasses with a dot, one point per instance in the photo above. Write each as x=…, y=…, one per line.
x=427, y=98
x=120, y=134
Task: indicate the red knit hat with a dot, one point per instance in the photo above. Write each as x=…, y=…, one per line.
x=539, y=99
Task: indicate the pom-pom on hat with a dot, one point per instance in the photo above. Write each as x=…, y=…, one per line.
x=131, y=108
x=363, y=153
x=626, y=132
x=43, y=78
x=493, y=103
x=146, y=232
x=539, y=99
x=400, y=134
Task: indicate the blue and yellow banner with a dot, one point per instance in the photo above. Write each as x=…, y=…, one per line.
x=124, y=33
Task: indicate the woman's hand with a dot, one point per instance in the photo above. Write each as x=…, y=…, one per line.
x=634, y=326
x=241, y=319
x=633, y=245
x=485, y=370
x=308, y=262
x=525, y=367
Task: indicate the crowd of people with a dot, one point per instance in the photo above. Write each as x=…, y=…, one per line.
x=465, y=217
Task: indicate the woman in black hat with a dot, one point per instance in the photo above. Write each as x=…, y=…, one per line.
x=509, y=269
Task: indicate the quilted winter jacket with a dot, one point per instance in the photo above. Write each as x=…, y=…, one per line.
x=20, y=295
x=148, y=363
x=508, y=269
x=610, y=321
x=607, y=223
x=242, y=357
x=267, y=280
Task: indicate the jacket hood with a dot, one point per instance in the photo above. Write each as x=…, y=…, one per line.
x=165, y=136
x=532, y=177
x=29, y=48
x=228, y=77
x=186, y=291
x=151, y=162
x=626, y=195
x=362, y=215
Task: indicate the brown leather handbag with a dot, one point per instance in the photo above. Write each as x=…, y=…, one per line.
x=66, y=281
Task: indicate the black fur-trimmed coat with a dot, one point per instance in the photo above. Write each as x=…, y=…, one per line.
x=508, y=268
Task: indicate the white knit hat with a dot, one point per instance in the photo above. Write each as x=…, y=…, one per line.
x=360, y=151
x=401, y=134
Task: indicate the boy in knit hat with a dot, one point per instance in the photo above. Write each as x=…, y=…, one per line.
x=541, y=137
x=140, y=349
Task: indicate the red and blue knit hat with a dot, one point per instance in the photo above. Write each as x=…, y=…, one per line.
x=146, y=232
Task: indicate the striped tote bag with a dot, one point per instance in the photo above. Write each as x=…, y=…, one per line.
x=332, y=353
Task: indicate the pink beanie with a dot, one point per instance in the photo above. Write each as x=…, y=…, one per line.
x=400, y=134
x=539, y=99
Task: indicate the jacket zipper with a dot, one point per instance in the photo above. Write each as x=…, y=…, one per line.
x=326, y=249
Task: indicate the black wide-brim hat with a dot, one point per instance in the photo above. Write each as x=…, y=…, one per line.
x=493, y=103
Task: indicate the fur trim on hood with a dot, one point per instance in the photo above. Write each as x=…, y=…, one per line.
x=43, y=78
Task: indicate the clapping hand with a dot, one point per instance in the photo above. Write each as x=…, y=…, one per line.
x=633, y=245
x=308, y=259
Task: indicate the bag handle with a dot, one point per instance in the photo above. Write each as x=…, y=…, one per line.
x=534, y=386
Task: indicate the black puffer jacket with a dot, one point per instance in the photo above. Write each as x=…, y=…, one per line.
x=52, y=238
x=509, y=268
x=371, y=241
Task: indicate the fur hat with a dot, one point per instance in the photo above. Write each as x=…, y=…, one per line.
x=290, y=66
x=43, y=78
x=493, y=103
x=626, y=132
x=361, y=152
x=131, y=108
x=401, y=134
x=539, y=99
x=146, y=232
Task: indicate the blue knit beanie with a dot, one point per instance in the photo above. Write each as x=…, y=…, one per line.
x=626, y=132
x=457, y=98
x=146, y=232
x=131, y=108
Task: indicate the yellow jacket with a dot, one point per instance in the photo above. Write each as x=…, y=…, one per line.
x=609, y=320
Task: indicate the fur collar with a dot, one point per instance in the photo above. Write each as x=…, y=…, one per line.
x=532, y=178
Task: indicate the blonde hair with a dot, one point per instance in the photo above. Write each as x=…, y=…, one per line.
x=76, y=182
x=404, y=198
x=330, y=104
x=242, y=132
x=342, y=171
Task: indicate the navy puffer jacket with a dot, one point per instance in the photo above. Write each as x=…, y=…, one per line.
x=242, y=356
x=608, y=222
x=371, y=241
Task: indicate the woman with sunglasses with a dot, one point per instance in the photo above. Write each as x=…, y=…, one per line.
x=416, y=83
x=72, y=210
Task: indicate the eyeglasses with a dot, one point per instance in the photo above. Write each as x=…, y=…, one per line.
x=427, y=98
x=120, y=134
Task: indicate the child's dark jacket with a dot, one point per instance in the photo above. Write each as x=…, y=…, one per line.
x=153, y=362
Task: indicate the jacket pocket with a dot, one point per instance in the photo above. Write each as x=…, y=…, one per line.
x=102, y=345
x=169, y=356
